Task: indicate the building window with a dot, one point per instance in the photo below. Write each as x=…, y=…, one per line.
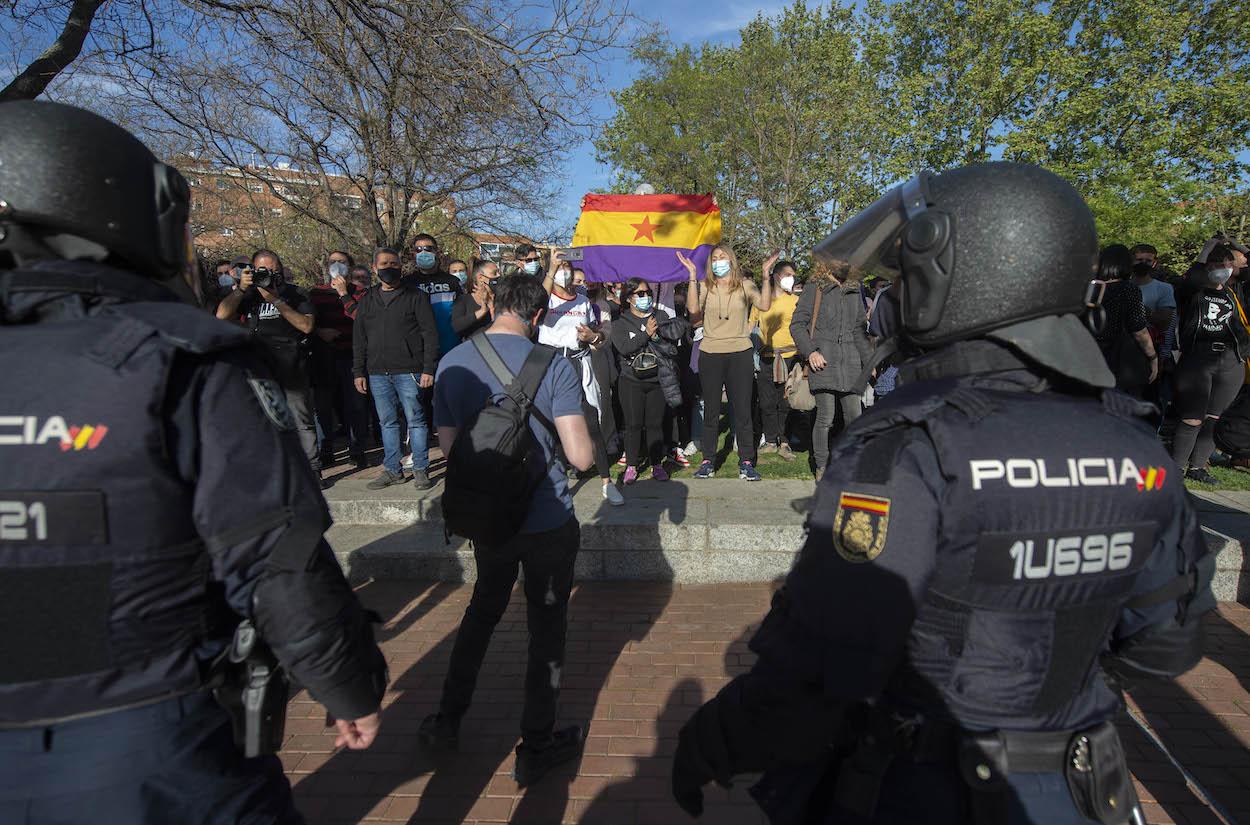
x=256, y=187
x=276, y=211
x=492, y=252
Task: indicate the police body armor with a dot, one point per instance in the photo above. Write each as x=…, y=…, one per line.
x=1051, y=508
x=105, y=579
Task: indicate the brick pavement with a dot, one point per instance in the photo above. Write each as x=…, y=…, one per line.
x=641, y=658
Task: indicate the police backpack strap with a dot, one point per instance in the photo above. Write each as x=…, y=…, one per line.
x=523, y=387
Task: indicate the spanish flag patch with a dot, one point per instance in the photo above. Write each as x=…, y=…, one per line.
x=859, y=526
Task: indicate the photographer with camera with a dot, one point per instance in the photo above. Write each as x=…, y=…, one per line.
x=281, y=317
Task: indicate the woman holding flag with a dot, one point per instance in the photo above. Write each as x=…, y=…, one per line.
x=724, y=303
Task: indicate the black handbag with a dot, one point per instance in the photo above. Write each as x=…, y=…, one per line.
x=645, y=365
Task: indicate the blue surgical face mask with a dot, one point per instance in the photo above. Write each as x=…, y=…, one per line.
x=462, y=277
x=424, y=260
x=225, y=280
x=642, y=302
x=338, y=269
x=531, y=267
x=720, y=268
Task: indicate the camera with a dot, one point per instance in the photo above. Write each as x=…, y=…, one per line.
x=263, y=277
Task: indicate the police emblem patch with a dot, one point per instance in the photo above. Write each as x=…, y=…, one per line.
x=273, y=401
x=859, y=526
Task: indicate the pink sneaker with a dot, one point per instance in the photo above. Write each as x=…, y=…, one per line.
x=631, y=475
x=658, y=473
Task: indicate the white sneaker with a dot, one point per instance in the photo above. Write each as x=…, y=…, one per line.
x=613, y=495
x=406, y=462
x=691, y=448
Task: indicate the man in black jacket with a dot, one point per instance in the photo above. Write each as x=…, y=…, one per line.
x=395, y=349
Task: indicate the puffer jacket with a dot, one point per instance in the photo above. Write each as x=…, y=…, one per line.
x=841, y=334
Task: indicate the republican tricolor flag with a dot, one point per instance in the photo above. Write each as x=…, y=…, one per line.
x=626, y=236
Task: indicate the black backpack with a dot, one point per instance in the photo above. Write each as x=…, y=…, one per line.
x=494, y=465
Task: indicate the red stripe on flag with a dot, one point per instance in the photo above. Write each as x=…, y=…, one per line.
x=649, y=203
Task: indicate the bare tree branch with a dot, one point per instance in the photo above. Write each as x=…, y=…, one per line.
x=36, y=77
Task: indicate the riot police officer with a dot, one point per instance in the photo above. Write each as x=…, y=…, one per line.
x=995, y=550
x=152, y=496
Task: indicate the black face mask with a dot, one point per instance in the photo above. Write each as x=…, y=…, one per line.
x=1143, y=268
x=390, y=276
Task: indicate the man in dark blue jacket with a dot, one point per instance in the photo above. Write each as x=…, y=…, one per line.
x=155, y=503
x=994, y=552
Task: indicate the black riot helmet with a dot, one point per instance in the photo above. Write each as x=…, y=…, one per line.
x=74, y=184
x=999, y=250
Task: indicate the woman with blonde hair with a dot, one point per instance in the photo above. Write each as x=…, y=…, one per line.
x=726, y=354
x=835, y=346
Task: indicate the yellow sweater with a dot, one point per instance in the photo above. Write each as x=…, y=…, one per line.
x=775, y=323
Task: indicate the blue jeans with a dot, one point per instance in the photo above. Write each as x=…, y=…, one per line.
x=389, y=392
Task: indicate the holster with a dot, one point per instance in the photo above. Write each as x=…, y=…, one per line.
x=1098, y=776
x=861, y=774
x=253, y=688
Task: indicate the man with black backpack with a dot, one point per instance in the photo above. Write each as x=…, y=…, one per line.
x=500, y=404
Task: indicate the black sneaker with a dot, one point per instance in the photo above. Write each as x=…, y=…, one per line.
x=386, y=480
x=421, y=480
x=532, y=763
x=1202, y=475
x=439, y=733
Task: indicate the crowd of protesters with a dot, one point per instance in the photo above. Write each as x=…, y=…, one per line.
x=782, y=356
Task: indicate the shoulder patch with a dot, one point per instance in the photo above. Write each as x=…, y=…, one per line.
x=273, y=401
x=859, y=526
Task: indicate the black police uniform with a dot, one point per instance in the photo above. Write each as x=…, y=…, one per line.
x=974, y=543
x=994, y=551
x=152, y=492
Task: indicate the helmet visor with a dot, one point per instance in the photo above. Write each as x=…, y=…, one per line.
x=869, y=240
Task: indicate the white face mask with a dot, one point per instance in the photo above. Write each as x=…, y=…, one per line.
x=531, y=267
x=1220, y=276
x=563, y=278
x=787, y=283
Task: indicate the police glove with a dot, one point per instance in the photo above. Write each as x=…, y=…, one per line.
x=701, y=757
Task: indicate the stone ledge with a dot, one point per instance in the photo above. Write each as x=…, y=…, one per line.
x=664, y=533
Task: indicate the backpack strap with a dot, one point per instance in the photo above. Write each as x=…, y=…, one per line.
x=522, y=387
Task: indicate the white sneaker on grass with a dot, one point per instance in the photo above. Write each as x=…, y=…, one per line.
x=612, y=495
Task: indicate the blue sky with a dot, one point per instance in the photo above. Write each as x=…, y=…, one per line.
x=687, y=21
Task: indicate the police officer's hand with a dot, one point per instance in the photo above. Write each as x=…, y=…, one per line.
x=359, y=734
x=362, y=386
x=817, y=362
x=700, y=758
x=426, y=381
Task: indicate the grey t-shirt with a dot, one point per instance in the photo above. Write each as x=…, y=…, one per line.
x=464, y=383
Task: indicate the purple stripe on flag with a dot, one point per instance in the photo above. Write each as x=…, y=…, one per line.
x=656, y=264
